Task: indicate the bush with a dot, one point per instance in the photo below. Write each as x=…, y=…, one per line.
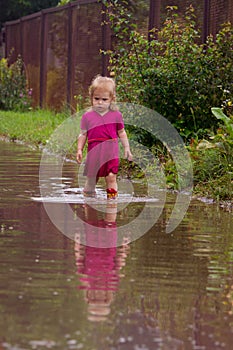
x=174, y=73
x=213, y=159
x=14, y=92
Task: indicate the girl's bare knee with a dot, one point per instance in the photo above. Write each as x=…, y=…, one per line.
x=111, y=176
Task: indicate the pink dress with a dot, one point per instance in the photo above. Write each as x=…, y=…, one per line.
x=102, y=136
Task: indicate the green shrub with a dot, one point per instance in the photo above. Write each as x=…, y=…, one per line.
x=213, y=159
x=174, y=73
x=14, y=92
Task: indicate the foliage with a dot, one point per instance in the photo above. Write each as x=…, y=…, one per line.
x=14, y=92
x=64, y=2
x=14, y=9
x=125, y=16
x=173, y=73
x=213, y=159
x=227, y=121
x=82, y=102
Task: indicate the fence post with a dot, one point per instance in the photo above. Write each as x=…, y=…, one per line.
x=21, y=38
x=206, y=19
x=154, y=15
x=43, y=45
x=69, y=53
x=6, y=41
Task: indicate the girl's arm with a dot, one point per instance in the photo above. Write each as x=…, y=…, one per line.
x=125, y=143
x=81, y=143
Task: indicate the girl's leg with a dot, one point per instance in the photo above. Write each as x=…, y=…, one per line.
x=111, y=181
x=89, y=188
x=111, y=184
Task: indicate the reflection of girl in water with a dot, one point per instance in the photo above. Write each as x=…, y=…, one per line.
x=99, y=266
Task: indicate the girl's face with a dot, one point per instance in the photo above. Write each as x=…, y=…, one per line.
x=101, y=100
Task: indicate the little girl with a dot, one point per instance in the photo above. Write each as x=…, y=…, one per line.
x=100, y=127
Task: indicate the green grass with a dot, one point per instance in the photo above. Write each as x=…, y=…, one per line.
x=34, y=127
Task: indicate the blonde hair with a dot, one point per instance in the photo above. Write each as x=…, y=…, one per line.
x=104, y=83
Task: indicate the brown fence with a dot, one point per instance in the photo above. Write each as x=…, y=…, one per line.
x=61, y=46
x=61, y=50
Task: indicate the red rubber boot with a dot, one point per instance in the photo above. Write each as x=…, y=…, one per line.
x=111, y=193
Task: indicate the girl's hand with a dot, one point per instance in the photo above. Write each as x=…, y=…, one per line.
x=128, y=155
x=79, y=156
x=125, y=143
x=81, y=142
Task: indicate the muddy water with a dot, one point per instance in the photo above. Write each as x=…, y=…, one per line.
x=161, y=291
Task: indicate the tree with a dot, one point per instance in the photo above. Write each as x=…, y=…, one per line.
x=14, y=9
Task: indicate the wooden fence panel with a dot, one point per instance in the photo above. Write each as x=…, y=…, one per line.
x=30, y=51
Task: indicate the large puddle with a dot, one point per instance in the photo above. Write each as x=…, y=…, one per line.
x=160, y=291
